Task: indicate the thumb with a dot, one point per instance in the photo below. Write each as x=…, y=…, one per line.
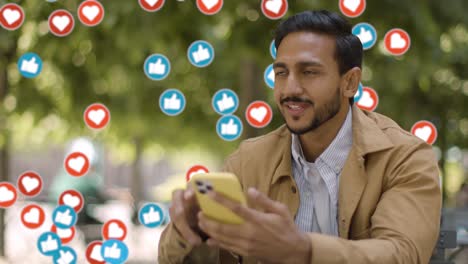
x=62, y=253
x=158, y=61
x=33, y=59
x=363, y=30
x=67, y=212
x=200, y=47
x=231, y=122
x=225, y=96
x=114, y=246
x=174, y=96
x=49, y=238
x=151, y=210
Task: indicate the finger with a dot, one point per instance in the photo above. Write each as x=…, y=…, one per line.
x=237, y=208
x=220, y=231
x=179, y=218
x=270, y=206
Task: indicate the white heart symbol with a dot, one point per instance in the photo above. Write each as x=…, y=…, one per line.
x=29, y=183
x=96, y=116
x=210, y=3
x=61, y=22
x=6, y=195
x=396, y=41
x=96, y=253
x=64, y=233
x=71, y=200
x=352, y=4
x=11, y=16
x=423, y=133
x=197, y=172
x=366, y=100
x=274, y=5
x=32, y=216
x=151, y=2
x=115, y=231
x=258, y=113
x=76, y=164
x=91, y=12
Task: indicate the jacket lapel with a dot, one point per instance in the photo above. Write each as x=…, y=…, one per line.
x=367, y=138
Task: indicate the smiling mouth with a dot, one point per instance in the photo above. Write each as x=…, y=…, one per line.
x=296, y=108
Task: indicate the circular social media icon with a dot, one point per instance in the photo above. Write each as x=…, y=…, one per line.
x=66, y=235
x=352, y=8
x=151, y=215
x=195, y=170
x=172, y=102
x=358, y=94
x=8, y=194
x=397, y=41
x=157, y=67
x=229, y=127
x=366, y=33
x=274, y=9
x=72, y=198
x=258, y=114
x=64, y=217
x=48, y=244
x=61, y=23
x=151, y=5
x=91, y=13
x=200, y=53
x=77, y=164
x=269, y=76
x=30, y=65
x=11, y=16
x=32, y=216
x=225, y=102
x=114, y=251
x=93, y=253
x=369, y=99
x=209, y=7
x=30, y=183
x=114, y=229
x=425, y=130
x=96, y=116
x=65, y=255
x=273, y=49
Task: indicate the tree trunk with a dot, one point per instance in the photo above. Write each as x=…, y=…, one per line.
x=251, y=90
x=136, y=179
x=4, y=154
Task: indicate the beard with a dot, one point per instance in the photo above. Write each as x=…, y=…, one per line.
x=322, y=115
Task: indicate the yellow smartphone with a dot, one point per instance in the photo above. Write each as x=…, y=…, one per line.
x=221, y=182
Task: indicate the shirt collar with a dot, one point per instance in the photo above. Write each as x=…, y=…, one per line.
x=336, y=153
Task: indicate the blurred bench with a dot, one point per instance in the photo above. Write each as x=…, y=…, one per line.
x=453, y=234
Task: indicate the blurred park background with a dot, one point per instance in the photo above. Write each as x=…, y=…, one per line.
x=145, y=153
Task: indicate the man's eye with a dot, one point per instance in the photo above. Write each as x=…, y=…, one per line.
x=279, y=73
x=310, y=72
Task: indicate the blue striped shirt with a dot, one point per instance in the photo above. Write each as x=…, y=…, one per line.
x=318, y=182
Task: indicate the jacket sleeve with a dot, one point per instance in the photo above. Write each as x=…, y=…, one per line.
x=173, y=248
x=405, y=225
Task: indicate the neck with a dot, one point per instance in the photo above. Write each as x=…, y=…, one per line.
x=315, y=142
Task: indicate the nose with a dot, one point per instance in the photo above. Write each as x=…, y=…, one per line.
x=293, y=86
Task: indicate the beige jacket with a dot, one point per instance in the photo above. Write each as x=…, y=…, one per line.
x=389, y=197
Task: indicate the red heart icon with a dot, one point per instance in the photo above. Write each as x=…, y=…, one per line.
x=61, y=23
x=91, y=13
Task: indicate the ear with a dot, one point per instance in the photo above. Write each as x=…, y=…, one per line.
x=350, y=82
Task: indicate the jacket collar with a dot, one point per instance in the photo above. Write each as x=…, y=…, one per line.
x=367, y=138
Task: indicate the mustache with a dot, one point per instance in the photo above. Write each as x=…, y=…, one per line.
x=296, y=99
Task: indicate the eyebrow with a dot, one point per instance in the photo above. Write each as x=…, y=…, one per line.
x=301, y=64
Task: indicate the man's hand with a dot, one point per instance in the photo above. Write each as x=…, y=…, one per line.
x=270, y=236
x=183, y=213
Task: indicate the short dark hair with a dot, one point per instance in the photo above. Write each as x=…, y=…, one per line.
x=348, y=51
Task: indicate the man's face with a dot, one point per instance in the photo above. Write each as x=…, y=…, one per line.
x=307, y=80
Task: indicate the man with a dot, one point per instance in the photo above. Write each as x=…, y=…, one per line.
x=333, y=185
